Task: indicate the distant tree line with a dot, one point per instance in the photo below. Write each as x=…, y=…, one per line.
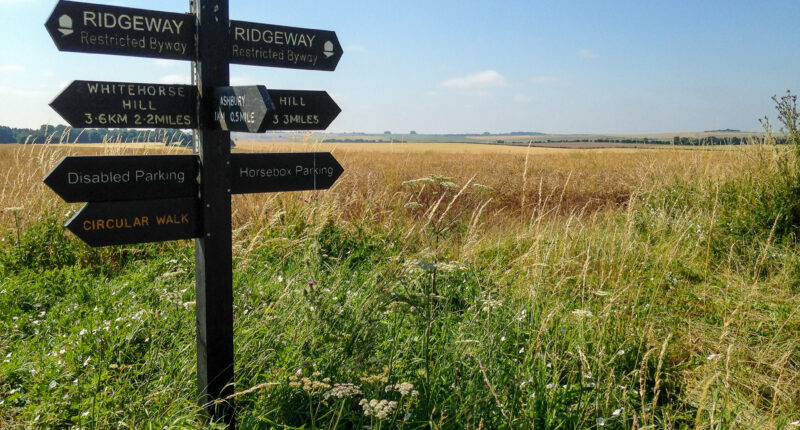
x=714, y=140
x=362, y=141
x=65, y=134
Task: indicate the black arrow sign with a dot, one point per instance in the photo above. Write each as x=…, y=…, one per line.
x=91, y=104
x=280, y=46
x=101, y=29
x=301, y=110
x=118, y=223
x=264, y=173
x=242, y=109
x=126, y=177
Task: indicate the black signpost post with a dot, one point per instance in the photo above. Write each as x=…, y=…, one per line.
x=137, y=199
x=213, y=254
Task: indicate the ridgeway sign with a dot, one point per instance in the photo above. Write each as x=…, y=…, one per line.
x=280, y=46
x=101, y=29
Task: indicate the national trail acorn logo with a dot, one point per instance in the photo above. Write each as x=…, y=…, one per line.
x=65, y=25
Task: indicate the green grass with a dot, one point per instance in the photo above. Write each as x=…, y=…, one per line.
x=677, y=310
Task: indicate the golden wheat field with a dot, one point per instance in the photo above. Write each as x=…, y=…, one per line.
x=522, y=181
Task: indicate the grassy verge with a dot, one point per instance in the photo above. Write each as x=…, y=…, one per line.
x=670, y=303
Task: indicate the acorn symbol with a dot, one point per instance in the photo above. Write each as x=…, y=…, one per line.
x=65, y=25
x=327, y=49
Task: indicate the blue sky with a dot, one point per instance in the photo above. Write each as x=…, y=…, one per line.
x=474, y=66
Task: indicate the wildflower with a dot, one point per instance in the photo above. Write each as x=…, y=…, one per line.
x=600, y=421
x=280, y=278
x=582, y=313
x=617, y=412
x=380, y=409
x=53, y=384
x=404, y=388
x=490, y=304
x=417, y=181
x=550, y=386
x=83, y=332
x=713, y=356
x=343, y=391
x=310, y=283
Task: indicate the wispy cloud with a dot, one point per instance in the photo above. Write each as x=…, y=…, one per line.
x=585, y=53
x=11, y=67
x=521, y=98
x=484, y=79
x=548, y=80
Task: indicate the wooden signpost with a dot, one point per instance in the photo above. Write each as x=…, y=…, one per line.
x=136, y=199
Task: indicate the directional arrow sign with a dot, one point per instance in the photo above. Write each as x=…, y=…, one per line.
x=118, y=223
x=279, y=46
x=242, y=108
x=127, y=177
x=91, y=104
x=264, y=173
x=101, y=29
x=301, y=110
